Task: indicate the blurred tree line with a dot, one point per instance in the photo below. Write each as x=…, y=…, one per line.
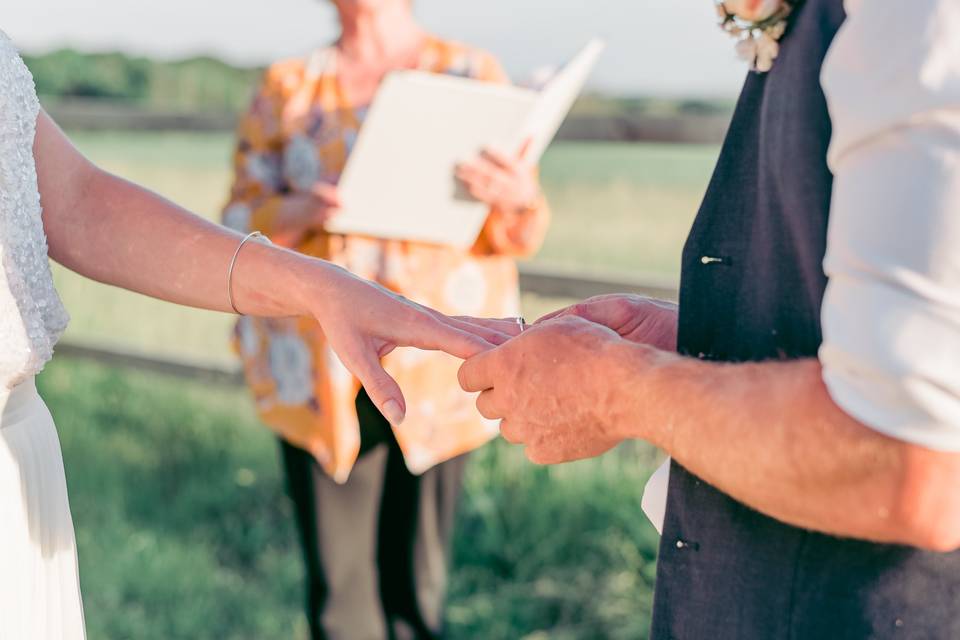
x=205, y=84
x=194, y=84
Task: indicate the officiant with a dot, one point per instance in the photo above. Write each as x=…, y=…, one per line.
x=374, y=502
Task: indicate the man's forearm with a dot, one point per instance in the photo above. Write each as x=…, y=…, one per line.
x=770, y=436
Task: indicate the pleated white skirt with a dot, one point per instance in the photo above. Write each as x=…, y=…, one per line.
x=39, y=586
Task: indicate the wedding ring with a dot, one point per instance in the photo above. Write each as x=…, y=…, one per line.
x=522, y=323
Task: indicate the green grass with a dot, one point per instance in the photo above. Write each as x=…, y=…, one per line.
x=184, y=531
x=616, y=207
x=181, y=525
x=622, y=207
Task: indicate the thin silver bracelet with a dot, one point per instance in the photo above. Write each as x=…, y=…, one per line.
x=233, y=263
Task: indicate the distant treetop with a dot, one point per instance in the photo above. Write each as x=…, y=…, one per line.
x=196, y=84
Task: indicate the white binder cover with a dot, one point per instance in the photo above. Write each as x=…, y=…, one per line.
x=399, y=181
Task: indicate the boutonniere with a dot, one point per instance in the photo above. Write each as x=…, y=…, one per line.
x=757, y=26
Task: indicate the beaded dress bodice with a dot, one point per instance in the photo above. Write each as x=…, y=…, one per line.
x=32, y=317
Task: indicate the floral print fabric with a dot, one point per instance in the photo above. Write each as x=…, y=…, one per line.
x=299, y=130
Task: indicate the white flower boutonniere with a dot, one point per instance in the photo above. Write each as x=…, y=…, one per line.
x=757, y=26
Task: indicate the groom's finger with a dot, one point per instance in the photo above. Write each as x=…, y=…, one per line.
x=586, y=309
x=476, y=374
x=509, y=433
x=488, y=404
x=555, y=314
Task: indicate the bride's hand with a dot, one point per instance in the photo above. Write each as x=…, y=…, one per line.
x=363, y=322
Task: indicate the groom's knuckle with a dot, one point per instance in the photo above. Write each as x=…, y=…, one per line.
x=536, y=456
x=486, y=405
x=465, y=376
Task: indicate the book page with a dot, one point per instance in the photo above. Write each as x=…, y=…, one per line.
x=399, y=181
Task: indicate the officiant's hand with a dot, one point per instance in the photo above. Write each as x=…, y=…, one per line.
x=635, y=318
x=501, y=180
x=560, y=388
x=316, y=207
x=302, y=212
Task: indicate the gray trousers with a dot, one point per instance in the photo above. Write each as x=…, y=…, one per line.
x=376, y=549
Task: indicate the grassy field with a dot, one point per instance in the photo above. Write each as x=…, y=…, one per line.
x=616, y=207
x=184, y=532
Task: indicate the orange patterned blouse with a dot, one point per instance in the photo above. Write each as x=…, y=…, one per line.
x=300, y=130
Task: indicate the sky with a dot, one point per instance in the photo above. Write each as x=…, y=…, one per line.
x=655, y=47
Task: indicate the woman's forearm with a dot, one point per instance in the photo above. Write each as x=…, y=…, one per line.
x=118, y=233
x=127, y=236
x=115, y=232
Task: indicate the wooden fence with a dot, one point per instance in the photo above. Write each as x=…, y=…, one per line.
x=701, y=128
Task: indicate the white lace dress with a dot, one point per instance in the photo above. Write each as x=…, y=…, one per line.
x=39, y=589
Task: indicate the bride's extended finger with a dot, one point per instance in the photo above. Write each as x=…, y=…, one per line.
x=510, y=327
x=364, y=362
x=494, y=334
x=438, y=335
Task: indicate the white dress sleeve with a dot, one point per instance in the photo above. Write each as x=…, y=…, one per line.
x=31, y=315
x=891, y=313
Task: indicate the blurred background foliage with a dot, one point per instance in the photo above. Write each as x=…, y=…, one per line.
x=206, y=84
x=194, y=84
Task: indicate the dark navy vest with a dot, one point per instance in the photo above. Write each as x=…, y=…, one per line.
x=751, y=290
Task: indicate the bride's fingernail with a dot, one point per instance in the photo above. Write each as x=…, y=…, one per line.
x=393, y=412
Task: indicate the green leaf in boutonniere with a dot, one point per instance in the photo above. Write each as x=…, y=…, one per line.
x=757, y=25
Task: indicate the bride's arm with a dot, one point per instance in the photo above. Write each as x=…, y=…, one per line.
x=113, y=231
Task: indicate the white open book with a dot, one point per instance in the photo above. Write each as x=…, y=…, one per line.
x=399, y=181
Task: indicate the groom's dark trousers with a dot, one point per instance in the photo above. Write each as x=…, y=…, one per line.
x=751, y=290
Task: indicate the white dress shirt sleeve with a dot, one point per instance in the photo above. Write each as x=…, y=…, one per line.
x=891, y=314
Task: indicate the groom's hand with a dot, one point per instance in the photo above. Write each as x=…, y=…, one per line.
x=557, y=388
x=635, y=318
